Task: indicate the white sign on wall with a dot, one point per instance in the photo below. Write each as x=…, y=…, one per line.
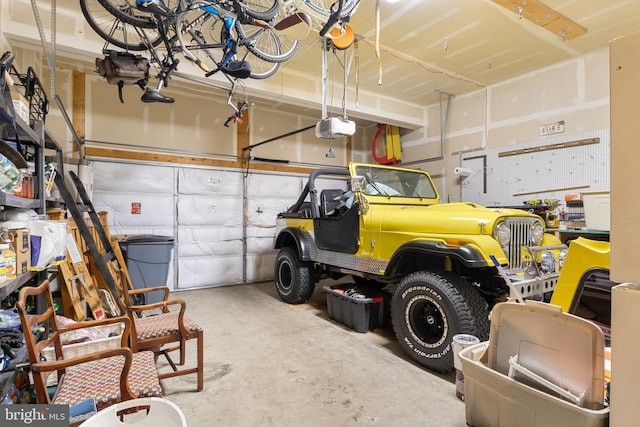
x=551, y=128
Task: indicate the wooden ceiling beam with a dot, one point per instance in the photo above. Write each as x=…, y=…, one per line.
x=542, y=15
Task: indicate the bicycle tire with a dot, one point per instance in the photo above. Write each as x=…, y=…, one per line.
x=265, y=43
x=263, y=10
x=127, y=11
x=260, y=69
x=322, y=8
x=115, y=31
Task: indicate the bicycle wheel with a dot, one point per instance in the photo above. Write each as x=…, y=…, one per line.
x=115, y=31
x=127, y=11
x=261, y=9
x=260, y=69
x=322, y=8
x=266, y=43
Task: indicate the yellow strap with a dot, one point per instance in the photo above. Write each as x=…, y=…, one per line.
x=393, y=142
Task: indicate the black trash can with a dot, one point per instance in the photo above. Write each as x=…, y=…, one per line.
x=148, y=257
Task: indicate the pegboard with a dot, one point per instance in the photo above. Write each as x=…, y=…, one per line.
x=545, y=169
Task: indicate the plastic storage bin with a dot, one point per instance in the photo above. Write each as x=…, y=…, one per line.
x=359, y=314
x=161, y=412
x=148, y=257
x=564, y=349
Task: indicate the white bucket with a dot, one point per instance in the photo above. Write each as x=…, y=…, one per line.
x=459, y=343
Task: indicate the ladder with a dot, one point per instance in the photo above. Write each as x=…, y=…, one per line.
x=107, y=263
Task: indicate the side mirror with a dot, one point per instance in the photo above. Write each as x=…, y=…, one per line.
x=358, y=183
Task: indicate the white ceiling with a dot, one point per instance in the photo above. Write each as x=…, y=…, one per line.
x=457, y=46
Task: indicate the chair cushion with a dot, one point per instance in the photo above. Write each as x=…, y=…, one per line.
x=100, y=379
x=161, y=325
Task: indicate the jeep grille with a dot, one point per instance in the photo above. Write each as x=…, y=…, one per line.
x=521, y=235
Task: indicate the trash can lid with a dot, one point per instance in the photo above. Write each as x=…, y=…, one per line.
x=147, y=238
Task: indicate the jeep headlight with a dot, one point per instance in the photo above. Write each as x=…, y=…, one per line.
x=562, y=257
x=547, y=262
x=537, y=232
x=502, y=233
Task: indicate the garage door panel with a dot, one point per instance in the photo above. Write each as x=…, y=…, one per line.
x=136, y=210
x=209, y=271
x=129, y=178
x=207, y=210
x=260, y=267
x=210, y=247
x=274, y=186
x=209, y=182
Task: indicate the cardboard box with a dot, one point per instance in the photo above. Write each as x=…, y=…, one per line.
x=20, y=105
x=625, y=348
x=20, y=238
x=624, y=83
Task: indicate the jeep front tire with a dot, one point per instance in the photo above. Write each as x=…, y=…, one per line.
x=295, y=279
x=428, y=309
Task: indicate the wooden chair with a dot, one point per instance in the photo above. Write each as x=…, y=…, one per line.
x=161, y=333
x=109, y=375
x=165, y=332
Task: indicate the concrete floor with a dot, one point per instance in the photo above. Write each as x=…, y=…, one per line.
x=268, y=363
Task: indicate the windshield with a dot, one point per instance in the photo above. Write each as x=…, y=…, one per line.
x=396, y=183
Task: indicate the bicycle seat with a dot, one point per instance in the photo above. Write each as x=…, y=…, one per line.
x=154, y=95
x=237, y=69
x=156, y=7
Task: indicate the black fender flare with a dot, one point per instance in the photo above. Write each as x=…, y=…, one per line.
x=467, y=255
x=301, y=244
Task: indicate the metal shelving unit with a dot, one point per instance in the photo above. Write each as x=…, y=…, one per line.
x=34, y=139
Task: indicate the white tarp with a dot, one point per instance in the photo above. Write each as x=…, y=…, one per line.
x=206, y=212
x=136, y=210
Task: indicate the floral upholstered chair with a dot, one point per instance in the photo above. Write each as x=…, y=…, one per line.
x=108, y=376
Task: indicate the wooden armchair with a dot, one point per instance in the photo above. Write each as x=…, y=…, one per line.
x=165, y=332
x=109, y=376
x=161, y=333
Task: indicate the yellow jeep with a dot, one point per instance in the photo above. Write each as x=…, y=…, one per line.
x=449, y=263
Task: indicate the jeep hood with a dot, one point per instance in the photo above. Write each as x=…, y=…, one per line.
x=449, y=218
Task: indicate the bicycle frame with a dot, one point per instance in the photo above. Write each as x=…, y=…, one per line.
x=228, y=45
x=166, y=19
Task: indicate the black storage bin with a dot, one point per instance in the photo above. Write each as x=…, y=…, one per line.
x=148, y=257
x=358, y=313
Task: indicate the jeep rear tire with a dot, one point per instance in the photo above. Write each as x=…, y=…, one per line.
x=295, y=279
x=428, y=309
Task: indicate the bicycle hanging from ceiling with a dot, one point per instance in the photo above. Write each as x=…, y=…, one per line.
x=236, y=38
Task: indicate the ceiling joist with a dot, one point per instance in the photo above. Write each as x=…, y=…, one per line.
x=544, y=16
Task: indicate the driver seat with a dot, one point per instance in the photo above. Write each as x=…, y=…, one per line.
x=329, y=200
